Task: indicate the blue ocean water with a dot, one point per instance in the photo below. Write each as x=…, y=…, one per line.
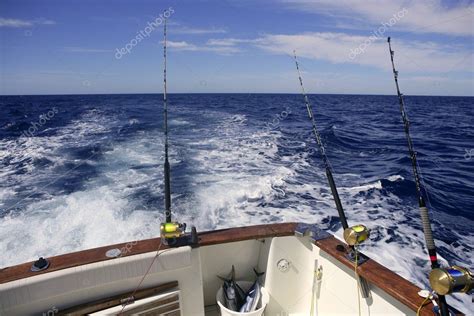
x=81, y=171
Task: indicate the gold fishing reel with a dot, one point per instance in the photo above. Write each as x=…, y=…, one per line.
x=172, y=230
x=454, y=279
x=173, y=234
x=356, y=235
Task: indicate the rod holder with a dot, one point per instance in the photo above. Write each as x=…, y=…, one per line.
x=40, y=265
x=174, y=235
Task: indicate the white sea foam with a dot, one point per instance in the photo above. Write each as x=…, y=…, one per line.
x=78, y=221
x=395, y=178
x=99, y=214
x=365, y=187
x=177, y=122
x=24, y=151
x=238, y=178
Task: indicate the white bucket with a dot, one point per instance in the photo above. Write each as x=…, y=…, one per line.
x=245, y=285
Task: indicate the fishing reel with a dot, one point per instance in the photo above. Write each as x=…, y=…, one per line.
x=174, y=234
x=354, y=236
x=450, y=280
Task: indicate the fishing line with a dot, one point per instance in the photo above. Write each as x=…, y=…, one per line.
x=146, y=273
x=421, y=306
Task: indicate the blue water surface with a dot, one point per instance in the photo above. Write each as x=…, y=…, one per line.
x=79, y=171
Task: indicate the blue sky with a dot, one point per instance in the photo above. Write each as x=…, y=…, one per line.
x=66, y=47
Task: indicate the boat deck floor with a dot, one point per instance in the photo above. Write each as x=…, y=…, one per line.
x=212, y=310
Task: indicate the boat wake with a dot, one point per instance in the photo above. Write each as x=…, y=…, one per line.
x=97, y=179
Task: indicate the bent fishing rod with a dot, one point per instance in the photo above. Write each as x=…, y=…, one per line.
x=460, y=279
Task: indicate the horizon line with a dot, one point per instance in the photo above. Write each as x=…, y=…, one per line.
x=248, y=93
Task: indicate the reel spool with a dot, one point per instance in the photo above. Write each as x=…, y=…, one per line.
x=174, y=234
x=356, y=235
x=172, y=230
x=454, y=279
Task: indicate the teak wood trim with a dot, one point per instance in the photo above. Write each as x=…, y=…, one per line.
x=131, y=248
x=116, y=300
x=376, y=274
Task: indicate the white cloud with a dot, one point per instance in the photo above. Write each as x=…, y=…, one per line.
x=85, y=50
x=336, y=48
x=227, y=41
x=185, y=46
x=197, y=31
x=14, y=23
x=429, y=16
x=17, y=23
x=180, y=45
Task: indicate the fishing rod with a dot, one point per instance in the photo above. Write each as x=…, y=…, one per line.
x=419, y=188
x=354, y=235
x=165, y=114
x=322, y=150
x=429, y=241
x=459, y=279
x=172, y=233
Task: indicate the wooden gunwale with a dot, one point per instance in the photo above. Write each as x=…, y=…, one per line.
x=375, y=273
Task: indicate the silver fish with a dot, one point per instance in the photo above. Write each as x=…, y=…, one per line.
x=234, y=296
x=252, y=299
x=253, y=296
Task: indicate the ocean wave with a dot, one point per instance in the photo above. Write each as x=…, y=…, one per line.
x=97, y=177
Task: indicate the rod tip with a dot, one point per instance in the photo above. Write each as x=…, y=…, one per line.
x=388, y=39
